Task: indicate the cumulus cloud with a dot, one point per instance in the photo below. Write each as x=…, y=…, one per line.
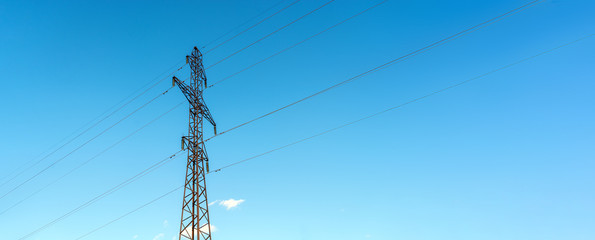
x=231, y=203
x=205, y=228
x=188, y=231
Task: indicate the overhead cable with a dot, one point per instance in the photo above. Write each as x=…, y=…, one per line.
x=128, y=213
x=347, y=124
x=252, y=26
x=90, y=159
x=296, y=44
x=153, y=82
x=391, y=62
x=270, y=34
x=82, y=145
x=94, y=122
x=104, y=194
x=406, y=103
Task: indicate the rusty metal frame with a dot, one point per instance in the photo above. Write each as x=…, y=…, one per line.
x=195, y=222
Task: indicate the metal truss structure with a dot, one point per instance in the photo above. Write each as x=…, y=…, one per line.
x=195, y=223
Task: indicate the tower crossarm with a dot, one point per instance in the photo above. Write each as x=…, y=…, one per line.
x=194, y=100
x=187, y=91
x=207, y=115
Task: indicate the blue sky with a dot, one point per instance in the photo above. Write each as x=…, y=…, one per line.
x=508, y=156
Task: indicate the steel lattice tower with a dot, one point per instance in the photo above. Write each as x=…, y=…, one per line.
x=195, y=224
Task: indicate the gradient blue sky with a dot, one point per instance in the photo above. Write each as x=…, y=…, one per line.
x=509, y=156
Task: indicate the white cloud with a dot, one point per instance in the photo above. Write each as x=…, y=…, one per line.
x=135, y=236
x=205, y=228
x=165, y=223
x=211, y=204
x=187, y=231
x=158, y=236
x=231, y=203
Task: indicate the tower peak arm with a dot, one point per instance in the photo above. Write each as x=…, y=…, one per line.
x=195, y=100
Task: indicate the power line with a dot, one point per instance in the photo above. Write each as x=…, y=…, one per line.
x=247, y=29
x=350, y=123
x=298, y=43
x=98, y=122
x=270, y=34
x=161, y=80
x=104, y=194
x=128, y=213
x=82, y=145
x=385, y=65
x=43, y=170
x=134, y=98
x=241, y=25
x=435, y=44
x=128, y=102
x=92, y=158
x=407, y=103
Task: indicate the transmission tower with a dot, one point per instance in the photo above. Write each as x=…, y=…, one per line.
x=195, y=224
